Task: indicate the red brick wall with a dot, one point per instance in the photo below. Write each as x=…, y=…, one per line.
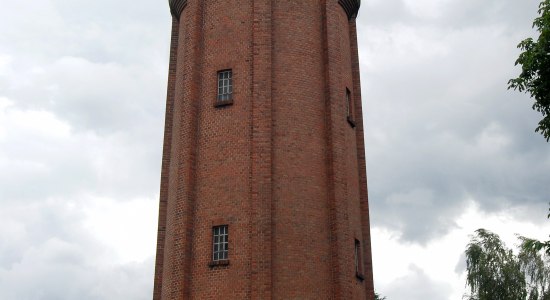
x=223, y=152
x=301, y=245
x=166, y=160
x=363, y=192
x=281, y=165
x=344, y=199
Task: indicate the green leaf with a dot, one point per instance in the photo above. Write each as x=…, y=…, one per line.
x=534, y=78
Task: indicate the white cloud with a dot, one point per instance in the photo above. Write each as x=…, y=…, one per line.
x=440, y=119
x=415, y=285
x=129, y=228
x=427, y=8
x=53, y=254
x=438, y=266
x=80, y=142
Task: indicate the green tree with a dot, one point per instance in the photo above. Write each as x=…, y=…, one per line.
x=536, y=266
x=535, y=75
x=493, y=271
x=378, y=297
x=534, y=257
x=528, y=244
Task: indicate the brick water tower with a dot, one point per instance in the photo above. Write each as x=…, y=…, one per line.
x=263, y=189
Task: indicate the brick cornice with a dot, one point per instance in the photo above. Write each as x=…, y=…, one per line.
x=176, y=7
x=351, y=7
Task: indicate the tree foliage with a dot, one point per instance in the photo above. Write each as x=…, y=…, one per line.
x=534, y=257
x=536, y=266
x=535, y=75
x=378, y=296
x=493, y=271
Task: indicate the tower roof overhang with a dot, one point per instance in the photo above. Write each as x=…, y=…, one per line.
x=351, y=7
x=176, y=7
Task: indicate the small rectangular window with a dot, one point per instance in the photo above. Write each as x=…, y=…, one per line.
x=349, y=108
x=348, y=103
x=358, y=260
x=220, y=243
x=225, y=85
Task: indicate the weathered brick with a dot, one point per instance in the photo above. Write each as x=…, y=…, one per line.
x=281, y=165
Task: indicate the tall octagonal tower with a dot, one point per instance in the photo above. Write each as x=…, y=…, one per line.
x=263, y=189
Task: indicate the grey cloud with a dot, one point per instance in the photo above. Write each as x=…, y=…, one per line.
x=52, y=256
x=112, y=100
x=416, y=285
x=442, y=127
x=509, y=13
x=461, y=264
x=450, y=15
x=103, y=97
x=30, y=225
x=384, y=13
x=124, y=183
x=123, y=31
x=100, y=66
x=86, y=83
x=75, y=164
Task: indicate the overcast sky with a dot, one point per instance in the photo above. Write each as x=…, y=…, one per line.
x=82, y=95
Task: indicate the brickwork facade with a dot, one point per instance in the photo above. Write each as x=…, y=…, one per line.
x=282, y=164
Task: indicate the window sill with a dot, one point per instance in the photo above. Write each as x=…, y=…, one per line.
x=360, y=276
x=220, y=103
x=218, y=263
x=351, y=122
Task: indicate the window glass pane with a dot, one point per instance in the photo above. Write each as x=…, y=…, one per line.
x=220, y=245
x=225, y=88
x=357, y=257
x=348, y=102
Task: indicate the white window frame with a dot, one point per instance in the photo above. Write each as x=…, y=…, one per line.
x=220, y=243
x=225, y=85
